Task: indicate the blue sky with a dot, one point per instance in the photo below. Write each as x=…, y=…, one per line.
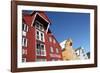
x=66, y=25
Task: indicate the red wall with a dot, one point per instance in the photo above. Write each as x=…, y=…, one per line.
x=31, y=50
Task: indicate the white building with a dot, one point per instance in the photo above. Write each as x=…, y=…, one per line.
x=62, y=44
x=80, y=52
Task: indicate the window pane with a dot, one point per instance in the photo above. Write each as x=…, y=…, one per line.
x=23, y=27
x=54, y=41
x=41, y=27
x=41, y=36
x=37, y=24
x=24, y=42
x=51, y=49
x=50, y=39
x=23, y=59
x=38, y=35
x=57, y=50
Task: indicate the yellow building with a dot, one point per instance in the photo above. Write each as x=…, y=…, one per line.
x=68, y=52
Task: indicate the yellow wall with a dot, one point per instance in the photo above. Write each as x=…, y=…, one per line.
x=68, y=53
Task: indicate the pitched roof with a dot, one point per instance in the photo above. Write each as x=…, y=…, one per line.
x=42, y=13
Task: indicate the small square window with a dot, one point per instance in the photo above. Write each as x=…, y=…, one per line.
x=24, y=51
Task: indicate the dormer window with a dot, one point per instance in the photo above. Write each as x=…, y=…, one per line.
x=39, y=25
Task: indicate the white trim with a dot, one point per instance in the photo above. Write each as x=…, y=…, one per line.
x=24, y=39
x=43, y=18
x=43, y=50
x=57, y=50
x=40, y=24
x=47, y=28
x=40, y=16
x=33, y=20
x=51, y=50
x=40, y=35
x=24, y=51
x=50, y=39
x=24, y=33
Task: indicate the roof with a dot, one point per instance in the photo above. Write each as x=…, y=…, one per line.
x=42, y=13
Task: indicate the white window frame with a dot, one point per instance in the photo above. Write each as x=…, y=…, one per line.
x=24, y=59
x=40, y=32
x=54, y=41
x=25, y=27
x=24, y=51
x=51, y=49
x=23, y=40
x=39, y=24
x=57, y=50
x=50, y=39
x=40, y=50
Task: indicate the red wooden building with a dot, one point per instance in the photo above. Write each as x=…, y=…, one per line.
x=38, y=42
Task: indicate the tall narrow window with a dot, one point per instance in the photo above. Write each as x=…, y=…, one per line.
x=57, y=50
x=43, y=52
x=51, y=49
x=24, y=42
x=40, y=49
x=54, y=41
x=25, y=27
x=39, y=35
x=50, y=39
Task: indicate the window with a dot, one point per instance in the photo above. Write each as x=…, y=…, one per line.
x=51, y=49
x=77, y=52
x=23, y=59
x=40, y=35
x=24, y=42
x=57, y=50
x=24, y=51
x=50, y=39
x=40, y=49
x=54, y=41
x=39, y=26
x=25, y=27
x=70, y=43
